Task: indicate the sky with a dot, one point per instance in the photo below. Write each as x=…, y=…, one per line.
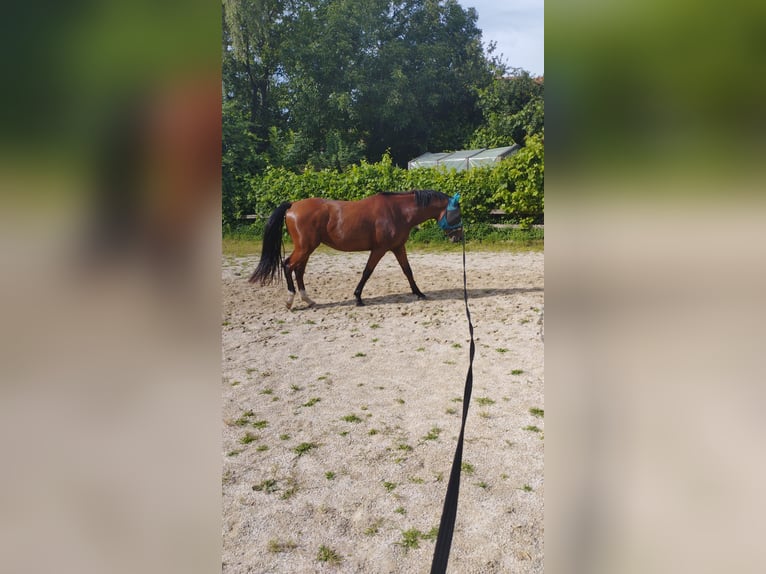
x=518, y=28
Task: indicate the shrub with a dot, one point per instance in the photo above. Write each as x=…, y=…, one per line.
x=515, y=185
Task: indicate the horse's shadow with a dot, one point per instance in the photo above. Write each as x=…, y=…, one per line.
x=437, y=295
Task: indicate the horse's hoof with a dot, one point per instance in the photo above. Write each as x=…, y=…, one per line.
x=421, y=296
x=359, y=303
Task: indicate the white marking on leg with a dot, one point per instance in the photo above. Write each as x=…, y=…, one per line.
x=290, y=297
x=306, y=298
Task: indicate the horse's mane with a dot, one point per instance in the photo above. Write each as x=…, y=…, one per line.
x=423, y=197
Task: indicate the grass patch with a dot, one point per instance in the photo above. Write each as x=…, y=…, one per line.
x=373, y=432
x=248, y=438
x=360, y=354
x=268, y=486
x=305, y=447
x=373, y=528
x=291, y=490
x=501, y=350
x=467, y=468
x=433, y=434
x=275, y=546
x=242, y=240
x=484, y=401
x=328, y=555
x=311, y=402
x=260, y=424
x=532, y=428
x=411, y=538
x=329, y=475
x=535, y=412
x=244, y=419
x=389, y=486
x=517, y=372
x=352, y=418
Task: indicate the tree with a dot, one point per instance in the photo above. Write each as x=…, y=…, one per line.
x=513, y=108
x=385, y=75
x=252, y=48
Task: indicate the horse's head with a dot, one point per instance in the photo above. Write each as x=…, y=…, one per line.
x=450, y=219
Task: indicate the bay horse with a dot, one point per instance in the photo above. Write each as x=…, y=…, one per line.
x=378, y=224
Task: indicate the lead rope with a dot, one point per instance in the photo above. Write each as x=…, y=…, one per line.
x=449, y=512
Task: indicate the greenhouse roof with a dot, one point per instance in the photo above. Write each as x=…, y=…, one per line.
x=464, y=159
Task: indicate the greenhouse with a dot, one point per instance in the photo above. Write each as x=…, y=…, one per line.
x=463, y=159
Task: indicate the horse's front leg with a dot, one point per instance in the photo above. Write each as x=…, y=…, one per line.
x=401, y=257
x=372, y=261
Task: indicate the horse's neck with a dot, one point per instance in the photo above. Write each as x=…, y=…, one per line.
x=423, y=214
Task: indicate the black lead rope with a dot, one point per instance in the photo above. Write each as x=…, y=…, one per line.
x=449, y=512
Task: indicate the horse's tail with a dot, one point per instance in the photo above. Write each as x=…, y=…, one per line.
x=270, y=265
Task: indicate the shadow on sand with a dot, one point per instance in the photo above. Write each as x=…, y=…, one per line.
x=437, y=295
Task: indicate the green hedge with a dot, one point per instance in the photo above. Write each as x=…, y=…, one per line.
x=515, y=185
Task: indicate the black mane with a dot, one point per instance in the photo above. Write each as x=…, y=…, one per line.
x=423, y=197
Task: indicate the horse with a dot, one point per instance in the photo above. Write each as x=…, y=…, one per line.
x=378, y=224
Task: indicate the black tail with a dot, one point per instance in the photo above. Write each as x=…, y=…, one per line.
x=270, y=265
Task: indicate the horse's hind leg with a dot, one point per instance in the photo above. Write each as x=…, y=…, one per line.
x=297, y=263
x=299, y=271
x=289, y=279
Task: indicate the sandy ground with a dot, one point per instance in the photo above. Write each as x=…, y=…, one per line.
x=340, y=422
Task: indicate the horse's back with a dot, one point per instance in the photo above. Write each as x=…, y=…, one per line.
x=343, y=225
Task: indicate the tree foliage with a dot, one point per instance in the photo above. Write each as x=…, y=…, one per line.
x=513, y=109
x=329, y=96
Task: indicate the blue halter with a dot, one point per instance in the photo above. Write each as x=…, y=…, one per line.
x=449, y=215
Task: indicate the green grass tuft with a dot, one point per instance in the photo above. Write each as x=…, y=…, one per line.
x=304, y=447
x=327, y=554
